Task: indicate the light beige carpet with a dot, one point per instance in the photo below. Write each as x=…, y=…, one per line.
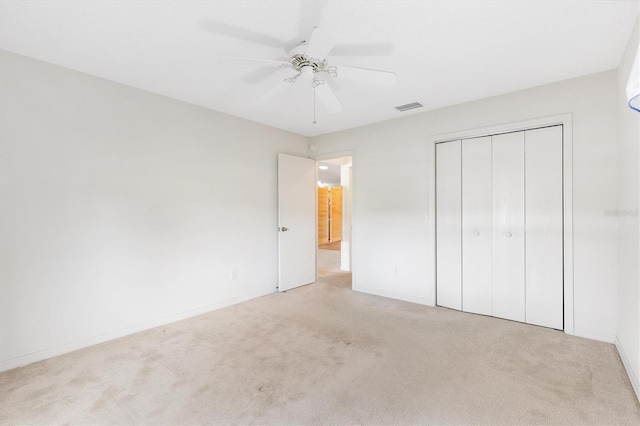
x=322, y=354
x=329, y=269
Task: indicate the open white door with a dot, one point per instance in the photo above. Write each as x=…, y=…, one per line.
x=296, y=221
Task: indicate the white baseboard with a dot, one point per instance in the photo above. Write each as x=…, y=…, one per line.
x=635, y=383
x=392, y=295
x=594, y=335
x=23, y=360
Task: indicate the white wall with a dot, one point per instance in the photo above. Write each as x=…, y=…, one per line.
x=122, y=209
x=628, y=339
x=392, y=179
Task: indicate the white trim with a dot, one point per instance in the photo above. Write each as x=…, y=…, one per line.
x=73, y=346
x=566, y=120
x=393, y=295
x=635, y=383
x=594, y=335
x=348, y=153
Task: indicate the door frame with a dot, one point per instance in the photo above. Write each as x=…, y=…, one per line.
x=352, y=243
x=566, y=120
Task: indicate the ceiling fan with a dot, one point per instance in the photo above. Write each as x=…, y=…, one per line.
x=310, y=63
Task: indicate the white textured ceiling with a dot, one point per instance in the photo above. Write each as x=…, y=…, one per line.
x=444, y=52
x=330, y=176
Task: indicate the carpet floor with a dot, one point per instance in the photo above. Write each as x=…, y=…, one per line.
x=329, y=269
x=328, y=262
x=323, y=354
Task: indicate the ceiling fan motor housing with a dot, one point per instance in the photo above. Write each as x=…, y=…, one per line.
x=308, y=66
x=304, y=63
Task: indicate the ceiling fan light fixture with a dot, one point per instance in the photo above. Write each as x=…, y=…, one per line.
x=307, y=72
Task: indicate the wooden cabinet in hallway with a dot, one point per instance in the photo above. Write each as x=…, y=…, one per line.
x=329, y=214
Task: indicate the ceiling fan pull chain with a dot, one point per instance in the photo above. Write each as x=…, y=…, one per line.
x=314, y=106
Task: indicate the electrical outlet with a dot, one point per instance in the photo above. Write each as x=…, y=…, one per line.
x=234, y=274
x=395, y=270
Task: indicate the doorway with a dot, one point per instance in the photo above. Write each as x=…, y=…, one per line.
x=334, y=205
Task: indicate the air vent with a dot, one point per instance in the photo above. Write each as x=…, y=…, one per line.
x=407, y=107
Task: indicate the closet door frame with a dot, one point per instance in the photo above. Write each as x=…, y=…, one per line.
x=566, y=120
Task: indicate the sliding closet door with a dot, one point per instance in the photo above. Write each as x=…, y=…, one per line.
x=476, y=225
x=448, y=229
x=544, y=274
x=508, y=226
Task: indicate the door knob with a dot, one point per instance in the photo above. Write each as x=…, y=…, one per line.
x=476, y=233
x=283, y=229
x=508, y=235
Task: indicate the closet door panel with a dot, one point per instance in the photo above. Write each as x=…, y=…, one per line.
x=543, y=214
x=336, y=214
x=476, y=225
x=448, y=225
x=323, y=215
x=508, y=226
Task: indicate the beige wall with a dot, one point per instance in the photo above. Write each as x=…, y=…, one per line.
x=123, y=209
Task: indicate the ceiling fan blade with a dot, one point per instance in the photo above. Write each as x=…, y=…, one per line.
x=384, y=78
x=272, y=93
x=254, y=62
x=362, y=49
x=328, y=98
x=259, y=74
x=240, y=33
x=321, y=43
x=309, y=14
